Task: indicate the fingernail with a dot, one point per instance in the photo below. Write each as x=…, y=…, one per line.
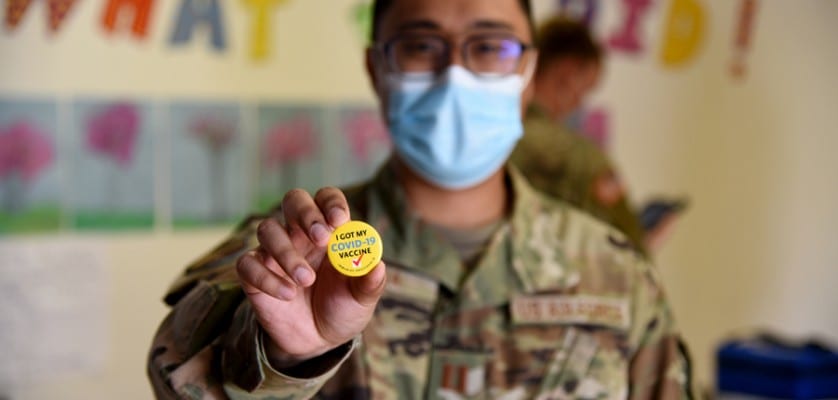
x=303, y=276
x=337, y=216
x=319, y=233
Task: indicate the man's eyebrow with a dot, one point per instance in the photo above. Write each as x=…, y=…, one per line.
x=491, y=24
x=479, y=24
x=418, y=24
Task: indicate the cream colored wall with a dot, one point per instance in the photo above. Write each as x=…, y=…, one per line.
x=140, y=268
x=757, y=247
x=316, y=57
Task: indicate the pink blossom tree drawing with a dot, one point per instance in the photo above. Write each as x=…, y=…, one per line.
x=25, y=152
x=286, y=144
x=217, y=134
x=365, y=131
x=112, y=134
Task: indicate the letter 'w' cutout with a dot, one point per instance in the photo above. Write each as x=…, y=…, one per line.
x=57, y=12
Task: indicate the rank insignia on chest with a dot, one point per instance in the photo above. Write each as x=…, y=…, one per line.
x=459, y=374
x=459, y=380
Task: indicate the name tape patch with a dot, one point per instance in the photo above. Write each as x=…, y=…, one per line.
x=567, y=309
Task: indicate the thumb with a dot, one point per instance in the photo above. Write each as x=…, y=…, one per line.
x=368, y=289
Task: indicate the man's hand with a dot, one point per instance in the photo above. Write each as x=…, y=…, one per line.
x=303, y=304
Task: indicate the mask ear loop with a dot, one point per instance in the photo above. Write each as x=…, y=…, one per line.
x=380, y=67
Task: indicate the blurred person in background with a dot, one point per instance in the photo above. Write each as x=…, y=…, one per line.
x=490, y=289
x=566, y=164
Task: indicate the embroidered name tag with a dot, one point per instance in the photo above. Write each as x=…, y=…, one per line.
x=570, y=310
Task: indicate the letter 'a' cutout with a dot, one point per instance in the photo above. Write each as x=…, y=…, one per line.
x=197, y=12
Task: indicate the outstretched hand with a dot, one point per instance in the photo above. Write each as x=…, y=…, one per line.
x=303, y=304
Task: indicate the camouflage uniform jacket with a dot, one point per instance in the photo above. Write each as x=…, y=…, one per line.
x=558, y=306
x=571, y=167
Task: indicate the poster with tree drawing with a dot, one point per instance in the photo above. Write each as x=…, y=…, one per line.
x=112, y=164
x=30, y=181
x=290, y=140
x=209, y=180
x=365, y=137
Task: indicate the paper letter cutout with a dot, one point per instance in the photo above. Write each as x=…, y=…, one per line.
x=15, y=10
x=192, y=13
x=683, y=32
x=260, y=26
x=141, y=13
x=742, y=41
x=582, y=10
x=626, y=39
x=57, y=12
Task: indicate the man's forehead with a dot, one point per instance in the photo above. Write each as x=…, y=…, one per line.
x=454, y=15
x=417, y=23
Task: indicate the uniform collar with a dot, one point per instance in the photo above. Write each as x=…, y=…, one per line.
x=536, y=111
x=524, y=255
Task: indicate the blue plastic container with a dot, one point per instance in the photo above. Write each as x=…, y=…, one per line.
x=768, y=367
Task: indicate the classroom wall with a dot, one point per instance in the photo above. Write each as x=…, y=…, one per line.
x=321, y=65
x=754, y=156
x=755, y=250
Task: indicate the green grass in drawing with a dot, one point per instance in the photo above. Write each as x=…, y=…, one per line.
x=91, y=220
x=33, y=220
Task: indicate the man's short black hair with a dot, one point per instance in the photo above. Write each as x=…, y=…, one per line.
x=380, y=7
x=561, y=37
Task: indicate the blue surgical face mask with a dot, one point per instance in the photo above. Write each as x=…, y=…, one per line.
x=455, y=130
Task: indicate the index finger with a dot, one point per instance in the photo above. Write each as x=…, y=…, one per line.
x=303, y=216
x=332, y=203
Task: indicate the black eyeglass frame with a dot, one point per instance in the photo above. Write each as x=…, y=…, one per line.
x=385, y=50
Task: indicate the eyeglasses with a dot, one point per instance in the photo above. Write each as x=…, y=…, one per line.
x=483, y=55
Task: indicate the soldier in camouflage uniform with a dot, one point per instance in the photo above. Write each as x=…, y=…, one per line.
x=556, y=160
x=489, y=291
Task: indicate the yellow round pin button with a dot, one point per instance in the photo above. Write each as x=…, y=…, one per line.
x=355, y=248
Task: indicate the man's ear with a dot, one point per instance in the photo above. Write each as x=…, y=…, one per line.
x=372, y=74
x=370, y=63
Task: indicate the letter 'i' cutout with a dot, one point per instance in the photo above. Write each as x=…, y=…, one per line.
x=742, y=40
x=626, y=40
